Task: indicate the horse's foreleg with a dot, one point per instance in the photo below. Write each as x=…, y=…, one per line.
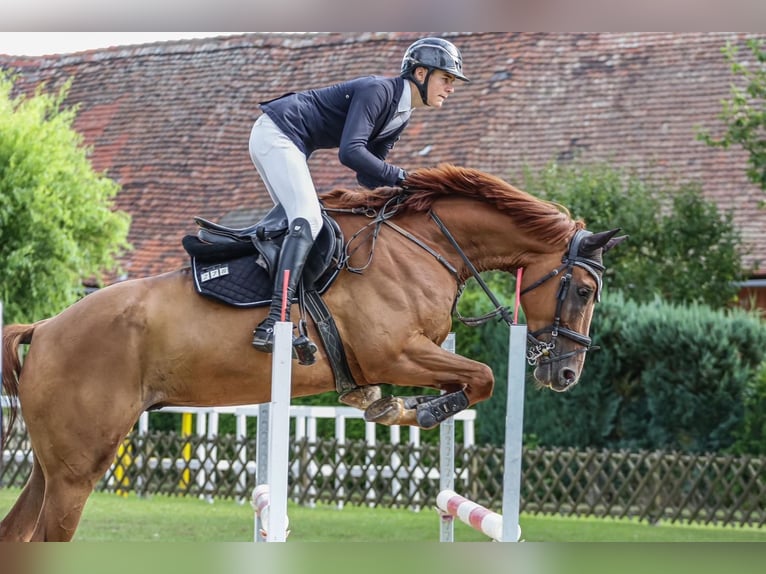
x=20, y=522
x=425, y=364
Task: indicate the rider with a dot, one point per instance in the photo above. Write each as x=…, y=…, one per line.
x=363, y=118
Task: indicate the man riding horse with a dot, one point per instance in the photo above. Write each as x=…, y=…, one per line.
x=363, y=118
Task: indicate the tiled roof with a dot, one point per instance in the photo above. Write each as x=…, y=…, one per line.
x=170, y=121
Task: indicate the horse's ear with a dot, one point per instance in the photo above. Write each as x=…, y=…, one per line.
x=614, y=242
x=604, y=240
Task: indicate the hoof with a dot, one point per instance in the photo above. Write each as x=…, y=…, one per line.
x=385, y=411
x=361, y=397
x=391, y=411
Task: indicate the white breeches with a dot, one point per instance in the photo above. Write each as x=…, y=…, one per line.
x=285, y=172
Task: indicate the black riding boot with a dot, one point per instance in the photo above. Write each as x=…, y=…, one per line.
x=295, y=250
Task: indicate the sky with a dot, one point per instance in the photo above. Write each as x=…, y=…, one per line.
x=47, y=20
x=46, y=43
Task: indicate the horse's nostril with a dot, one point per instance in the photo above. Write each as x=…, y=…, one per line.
x=567, y=377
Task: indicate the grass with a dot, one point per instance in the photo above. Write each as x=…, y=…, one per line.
x=111, y=518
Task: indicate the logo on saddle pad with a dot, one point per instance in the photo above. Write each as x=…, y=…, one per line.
x=214, y=272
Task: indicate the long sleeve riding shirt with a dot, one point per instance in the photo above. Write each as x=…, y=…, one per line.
x=350, y=116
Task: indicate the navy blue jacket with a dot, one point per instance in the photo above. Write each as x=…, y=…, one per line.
x=348, y=116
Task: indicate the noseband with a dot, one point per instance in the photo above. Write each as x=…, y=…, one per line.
x=543, y=352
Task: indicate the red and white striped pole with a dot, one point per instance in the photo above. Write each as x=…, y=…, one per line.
x=474, y=515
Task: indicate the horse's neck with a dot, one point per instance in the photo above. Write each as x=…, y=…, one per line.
x=489, y=238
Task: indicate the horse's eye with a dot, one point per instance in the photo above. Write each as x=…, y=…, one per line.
x=584, y=292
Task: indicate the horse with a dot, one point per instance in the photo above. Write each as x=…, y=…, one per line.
x=150, y=342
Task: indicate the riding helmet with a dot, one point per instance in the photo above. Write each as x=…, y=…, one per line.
x=433, y=53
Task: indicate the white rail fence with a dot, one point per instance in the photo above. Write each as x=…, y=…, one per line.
x=205, y=462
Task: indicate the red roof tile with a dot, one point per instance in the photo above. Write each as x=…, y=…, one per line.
x=170, y=121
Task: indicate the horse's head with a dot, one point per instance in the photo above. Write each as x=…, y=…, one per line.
x=558, y=296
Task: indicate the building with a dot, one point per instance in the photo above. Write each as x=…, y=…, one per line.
x=170, y=121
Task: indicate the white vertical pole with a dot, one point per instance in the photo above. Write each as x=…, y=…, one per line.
x=241, y=430
x=262, y=460
x=447, y=459
x=143, y=423
x=514, y=425
x=395, y=438
x=340, y=452
x=262, y=445
x=279, y=431
x=370, y=439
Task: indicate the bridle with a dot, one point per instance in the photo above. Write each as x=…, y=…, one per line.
x=543, y=352
x=538, y=352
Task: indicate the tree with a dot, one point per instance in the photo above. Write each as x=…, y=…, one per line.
x=681, y=247
x=58, y=224
x=745, y=113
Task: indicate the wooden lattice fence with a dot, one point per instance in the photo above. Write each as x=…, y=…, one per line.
x=650, y=486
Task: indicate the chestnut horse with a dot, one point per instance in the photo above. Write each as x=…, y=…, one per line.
x=146, y=343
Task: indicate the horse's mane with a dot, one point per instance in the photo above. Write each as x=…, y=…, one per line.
x=547, y=220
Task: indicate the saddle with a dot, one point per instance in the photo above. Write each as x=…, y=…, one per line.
x=237, y=267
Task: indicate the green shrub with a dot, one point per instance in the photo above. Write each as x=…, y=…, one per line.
x=751, y=436
x=667, y=377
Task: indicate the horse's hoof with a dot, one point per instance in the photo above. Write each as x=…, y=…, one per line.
x=385, y=411
x=361, y=397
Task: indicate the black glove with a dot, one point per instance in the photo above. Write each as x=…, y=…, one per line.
x=401, y=177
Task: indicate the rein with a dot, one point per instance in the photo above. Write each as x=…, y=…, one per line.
x=499, y=309
x=538, y=352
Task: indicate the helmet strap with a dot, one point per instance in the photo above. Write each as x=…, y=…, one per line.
x=422, y=88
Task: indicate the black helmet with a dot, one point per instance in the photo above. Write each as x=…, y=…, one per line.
x=433, y=54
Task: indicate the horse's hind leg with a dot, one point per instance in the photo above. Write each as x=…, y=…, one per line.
x=19, y=524
x=61, y=511
x=74, y=458
x=71, y=473
x=74, y=448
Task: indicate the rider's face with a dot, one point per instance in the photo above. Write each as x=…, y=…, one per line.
x=440, y=85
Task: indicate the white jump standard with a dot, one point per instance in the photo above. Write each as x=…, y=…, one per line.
x=505, y=527
x=274, y=497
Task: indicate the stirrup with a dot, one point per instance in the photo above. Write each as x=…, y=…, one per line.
x=304, y=349
x=263, y=336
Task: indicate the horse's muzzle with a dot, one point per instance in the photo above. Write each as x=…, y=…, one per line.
x=556, y=377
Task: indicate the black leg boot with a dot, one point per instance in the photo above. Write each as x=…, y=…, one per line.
x=295, y=250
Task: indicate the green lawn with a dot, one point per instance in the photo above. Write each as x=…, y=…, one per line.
x=108, y=517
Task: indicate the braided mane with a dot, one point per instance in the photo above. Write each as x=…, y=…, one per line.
x=547, y=220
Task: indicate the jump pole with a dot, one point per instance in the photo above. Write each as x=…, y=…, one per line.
x=447, y=459
x=270, y=503
x=514, y=426
x=505, y=527
x=269, y=499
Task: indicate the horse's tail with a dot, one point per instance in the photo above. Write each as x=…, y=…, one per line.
x=13, y=336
